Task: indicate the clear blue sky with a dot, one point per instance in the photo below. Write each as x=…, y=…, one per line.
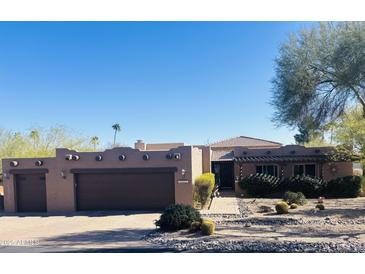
x=162, y=81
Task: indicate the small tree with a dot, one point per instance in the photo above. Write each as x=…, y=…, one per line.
x=94, y=141
x=116, y=128
x=350, y=130
x=34, y=135
x=203, y=189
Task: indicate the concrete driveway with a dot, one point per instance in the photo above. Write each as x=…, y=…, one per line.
x=95, y=231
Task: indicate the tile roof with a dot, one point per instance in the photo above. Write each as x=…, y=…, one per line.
x=244, y=141
x=222, y=155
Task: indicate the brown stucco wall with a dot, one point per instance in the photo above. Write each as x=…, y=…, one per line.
x=206, y=158
x=61, y=191
x=196, y=163
x=338, y=169
x=163, y=146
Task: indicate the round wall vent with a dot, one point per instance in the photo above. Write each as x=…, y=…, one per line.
x=146, y=157
x=14, y=163
x=75, y=157
x=68, y=157
x=39, y=163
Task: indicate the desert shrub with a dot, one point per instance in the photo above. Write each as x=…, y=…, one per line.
x=320, y=206
x=260, y=185
x=282, y=208
x=207, y=227
x=309, y=186
x=294, y=198
x=195, y=226
x=177, y=217
x=345, y=187
x=293, y=206
x=203, y=189
x=265, y=209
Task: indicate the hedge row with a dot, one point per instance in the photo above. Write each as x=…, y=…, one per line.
x=263, y=185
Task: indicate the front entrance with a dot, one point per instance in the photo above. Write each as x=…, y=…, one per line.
x=224, y=174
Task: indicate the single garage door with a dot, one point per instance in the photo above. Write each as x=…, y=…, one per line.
x=125, y=191
x=31, y=192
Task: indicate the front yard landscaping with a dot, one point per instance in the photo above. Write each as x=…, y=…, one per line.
x=258, y=228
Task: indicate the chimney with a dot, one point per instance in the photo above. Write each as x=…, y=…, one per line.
x=140, y=145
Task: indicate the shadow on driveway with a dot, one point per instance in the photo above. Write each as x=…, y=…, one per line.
x=103, y=241
x=98, y=237
x=78, y=213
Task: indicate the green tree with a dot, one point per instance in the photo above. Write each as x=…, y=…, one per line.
x=116, y=128
x=94, y=141
x=21, y=144
x=350, y=130
x=308, y=132
x=319, y=73
x=34, y=135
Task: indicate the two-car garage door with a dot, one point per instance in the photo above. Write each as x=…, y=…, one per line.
x=128, y=190
x=105, y=189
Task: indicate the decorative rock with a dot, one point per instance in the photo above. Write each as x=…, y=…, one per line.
x=263, y=209
x=248, y=225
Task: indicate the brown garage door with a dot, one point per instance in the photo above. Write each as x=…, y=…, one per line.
x=124, y=191
x=31, y=192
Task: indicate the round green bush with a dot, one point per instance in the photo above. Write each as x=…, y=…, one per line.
x=176, y=217
x=260, y=185
x=309, y=186
x=320, y=207
x=293, y=206
x=294, y=198
x=195, y=226
x=282, y=208
x=207, y=227
x=345, y=187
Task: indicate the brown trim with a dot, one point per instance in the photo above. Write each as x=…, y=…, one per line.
x=279, y=159
x=28, y=171
x=124, y=170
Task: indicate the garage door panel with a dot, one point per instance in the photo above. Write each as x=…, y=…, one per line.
x=31, y=193
x=125, y=191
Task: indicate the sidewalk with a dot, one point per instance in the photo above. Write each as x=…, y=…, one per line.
x=225, y=204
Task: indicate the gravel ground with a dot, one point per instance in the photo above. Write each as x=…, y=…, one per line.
x=339, y=228
x=204, y=244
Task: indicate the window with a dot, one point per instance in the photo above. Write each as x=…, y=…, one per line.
x=307, y=170
x=267, y=169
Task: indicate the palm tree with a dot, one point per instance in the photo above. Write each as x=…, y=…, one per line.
x=94, y=141
x=34, y=135
x=116, y=128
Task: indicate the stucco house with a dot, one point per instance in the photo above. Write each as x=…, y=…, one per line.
x=151, y=176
